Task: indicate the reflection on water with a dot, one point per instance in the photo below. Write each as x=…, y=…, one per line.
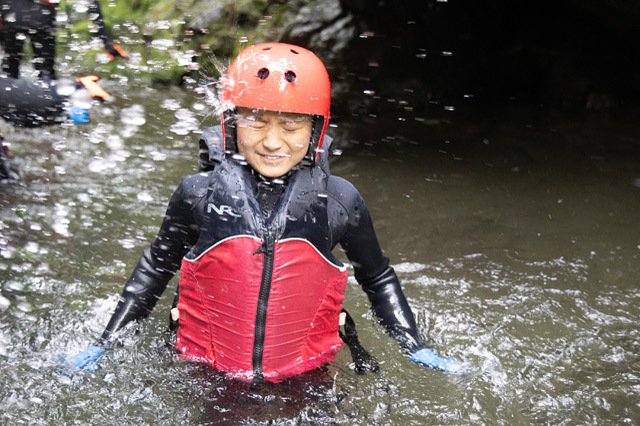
x=517, y=245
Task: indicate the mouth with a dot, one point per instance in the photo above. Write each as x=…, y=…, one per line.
x=274, y=157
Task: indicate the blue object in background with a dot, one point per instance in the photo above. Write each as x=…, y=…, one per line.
x=78, y=115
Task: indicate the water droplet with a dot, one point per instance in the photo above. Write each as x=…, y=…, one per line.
x=14, y=286
x=144, y=196
x=170, y=104
x=98, y=166
x=158, y=156
x=127, y=243
x=61, y=227
x=31, y=247
x=162, y=44
x=114, y=142
x=134, y=115
x=163, y=25
x=4, y=303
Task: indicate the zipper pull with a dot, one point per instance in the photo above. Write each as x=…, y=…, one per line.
x=268, y=244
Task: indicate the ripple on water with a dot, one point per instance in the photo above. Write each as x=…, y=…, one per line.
x=537, y=335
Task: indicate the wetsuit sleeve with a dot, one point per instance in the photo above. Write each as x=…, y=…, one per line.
x=158, y=264
x=353, y=229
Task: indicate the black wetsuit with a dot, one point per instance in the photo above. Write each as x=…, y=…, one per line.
x=350, y=226
x=22, y=19
x=36, y=20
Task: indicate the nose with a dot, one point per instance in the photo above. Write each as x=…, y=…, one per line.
x=272, y=140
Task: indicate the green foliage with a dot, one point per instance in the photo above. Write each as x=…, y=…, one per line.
x=168, y=39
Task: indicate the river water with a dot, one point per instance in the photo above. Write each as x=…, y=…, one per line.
x=515, y=234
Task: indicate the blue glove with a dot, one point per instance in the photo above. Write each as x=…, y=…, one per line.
x=85, y=360
x=78, y=115
x=431, y=359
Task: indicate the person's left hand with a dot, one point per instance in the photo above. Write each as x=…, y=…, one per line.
x=431, y=359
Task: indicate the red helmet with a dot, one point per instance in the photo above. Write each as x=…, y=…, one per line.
x=278, y=77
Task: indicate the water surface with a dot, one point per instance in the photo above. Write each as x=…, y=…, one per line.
x=514, y=233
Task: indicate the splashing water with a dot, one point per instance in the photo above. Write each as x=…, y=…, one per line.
x=541, y=311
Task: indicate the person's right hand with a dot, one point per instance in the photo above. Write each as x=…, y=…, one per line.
x=86, y=360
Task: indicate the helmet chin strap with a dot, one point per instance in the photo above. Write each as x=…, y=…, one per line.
x=316, y=132
x=229, y=125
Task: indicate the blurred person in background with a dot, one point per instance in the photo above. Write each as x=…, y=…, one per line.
x=35, y=20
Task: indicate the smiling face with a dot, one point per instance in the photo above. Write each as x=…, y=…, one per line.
x=272, y=142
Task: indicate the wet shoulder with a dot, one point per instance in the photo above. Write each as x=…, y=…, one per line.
x=195, y=186
x=343, y=195
x=342, y=190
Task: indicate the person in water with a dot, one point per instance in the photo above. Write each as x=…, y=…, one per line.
x=36, y=20
x=260, y=293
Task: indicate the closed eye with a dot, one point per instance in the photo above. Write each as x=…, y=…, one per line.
x=292, y=126
x=251, y=121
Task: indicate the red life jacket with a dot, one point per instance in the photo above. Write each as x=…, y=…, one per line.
x=262, y=298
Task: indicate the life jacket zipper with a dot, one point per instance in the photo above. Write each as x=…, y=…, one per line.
x=267, y=248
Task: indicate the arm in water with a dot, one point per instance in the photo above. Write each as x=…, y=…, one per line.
x=378, y=279
x=155, y=268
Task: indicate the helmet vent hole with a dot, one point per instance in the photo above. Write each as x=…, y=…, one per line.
x=294, y=51
x=266, y=48
x=290, y=76
x=263, y=73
